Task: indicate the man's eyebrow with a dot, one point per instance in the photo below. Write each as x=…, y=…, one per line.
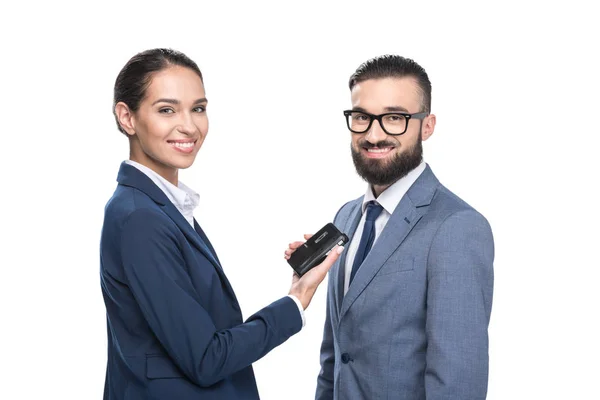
x=387, y=109
x=396, y=108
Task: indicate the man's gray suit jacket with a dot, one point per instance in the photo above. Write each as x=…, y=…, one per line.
x=414, y=322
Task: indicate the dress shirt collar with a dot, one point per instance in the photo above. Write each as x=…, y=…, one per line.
x=390, y=197
x=182, y=197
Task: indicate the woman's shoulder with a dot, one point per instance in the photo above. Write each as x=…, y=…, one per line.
x=127, y=203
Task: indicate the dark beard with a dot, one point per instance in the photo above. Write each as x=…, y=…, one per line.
x=386, y=173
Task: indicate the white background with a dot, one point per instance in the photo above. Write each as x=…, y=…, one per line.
x=515, y=91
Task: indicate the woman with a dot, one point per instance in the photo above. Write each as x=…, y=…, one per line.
x=175, y=329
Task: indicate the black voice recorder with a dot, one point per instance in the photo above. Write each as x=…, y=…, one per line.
x=315, y=249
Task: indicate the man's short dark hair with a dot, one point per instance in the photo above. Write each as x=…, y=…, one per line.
x=394, y=66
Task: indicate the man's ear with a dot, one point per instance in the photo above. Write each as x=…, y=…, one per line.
x=428, y=126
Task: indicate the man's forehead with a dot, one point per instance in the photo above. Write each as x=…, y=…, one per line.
x=388, y=92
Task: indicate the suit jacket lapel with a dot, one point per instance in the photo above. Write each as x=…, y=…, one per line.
x=205, y=240
x=190, y=234
x=131, y=176
x=407, y=214
x=200, y=241
x=219, y=269
x=349, y=227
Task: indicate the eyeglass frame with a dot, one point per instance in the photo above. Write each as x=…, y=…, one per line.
x=419, y=115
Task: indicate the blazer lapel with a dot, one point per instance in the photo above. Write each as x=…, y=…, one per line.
x=205, y=240
x=190, y=234
x=407, y=214
x=349, y=227
x=219, y=268
x=131, y=176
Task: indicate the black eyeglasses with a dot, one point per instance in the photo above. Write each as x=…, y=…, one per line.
x=395, y=123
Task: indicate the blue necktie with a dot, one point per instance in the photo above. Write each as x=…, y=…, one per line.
x=367, y=238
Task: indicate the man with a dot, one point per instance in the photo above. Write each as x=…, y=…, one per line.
x=409, y=303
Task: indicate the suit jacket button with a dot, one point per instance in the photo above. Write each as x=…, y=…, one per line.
x=345, y=358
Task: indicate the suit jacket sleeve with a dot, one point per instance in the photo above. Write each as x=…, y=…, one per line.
x=157, y=276
x=459, y=301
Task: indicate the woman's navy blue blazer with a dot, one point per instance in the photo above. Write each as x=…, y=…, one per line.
x=175, y=329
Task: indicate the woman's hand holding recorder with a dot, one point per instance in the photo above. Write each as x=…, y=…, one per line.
x=304, y=288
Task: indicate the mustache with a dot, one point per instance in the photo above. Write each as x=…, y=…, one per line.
x=384, y=143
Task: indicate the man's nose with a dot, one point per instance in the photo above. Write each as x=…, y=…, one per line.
x=375, y=134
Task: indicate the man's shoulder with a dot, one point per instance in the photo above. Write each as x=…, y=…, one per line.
x=446, y=203
x=345, y=211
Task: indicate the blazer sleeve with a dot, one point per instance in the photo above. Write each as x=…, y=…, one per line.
x=157, y=276
x=459, y=301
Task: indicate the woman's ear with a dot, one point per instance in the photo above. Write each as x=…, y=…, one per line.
x=125, y=117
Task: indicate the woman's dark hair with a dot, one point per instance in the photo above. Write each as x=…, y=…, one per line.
x=394, y=66
x=135, y=77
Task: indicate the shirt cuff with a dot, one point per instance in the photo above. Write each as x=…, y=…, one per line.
x=299, y=308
